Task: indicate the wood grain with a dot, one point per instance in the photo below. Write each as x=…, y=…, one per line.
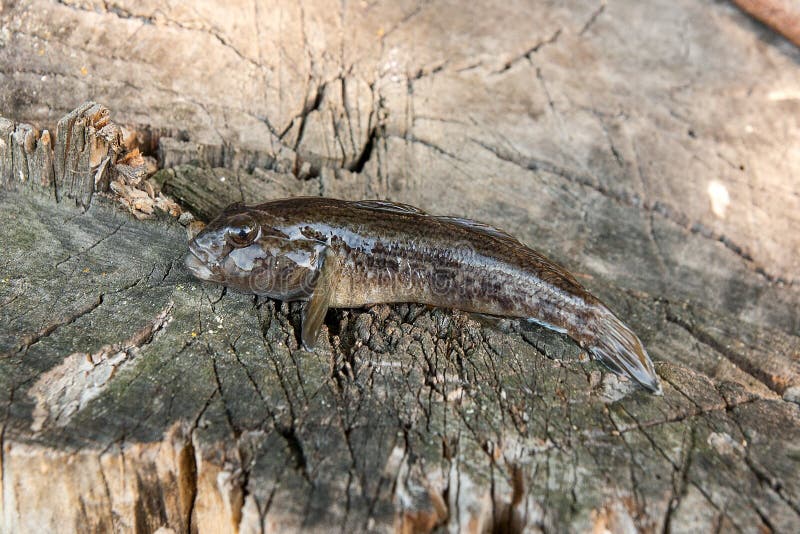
x=134, y=398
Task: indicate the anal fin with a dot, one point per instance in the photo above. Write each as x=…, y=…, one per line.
x=493, y=321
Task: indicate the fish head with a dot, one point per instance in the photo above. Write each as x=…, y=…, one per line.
x=248, y=250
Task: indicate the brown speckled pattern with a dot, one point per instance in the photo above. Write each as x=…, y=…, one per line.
x=389, y=252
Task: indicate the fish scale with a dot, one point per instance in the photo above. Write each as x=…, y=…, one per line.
x=337, y=253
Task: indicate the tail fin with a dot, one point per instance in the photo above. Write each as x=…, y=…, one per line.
x=617, y=347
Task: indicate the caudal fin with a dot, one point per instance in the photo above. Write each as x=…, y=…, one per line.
x=617, y=347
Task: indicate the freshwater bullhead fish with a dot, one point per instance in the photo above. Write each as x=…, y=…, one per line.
x=336, y=253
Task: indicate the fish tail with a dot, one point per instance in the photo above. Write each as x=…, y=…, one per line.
x=614, y=345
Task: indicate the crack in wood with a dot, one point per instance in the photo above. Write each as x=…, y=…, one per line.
x=90, y=247
x=774, y=383
x=526, y=55
x=486, y=426
x=593, y=18
x=29, y=340
x=623, y=197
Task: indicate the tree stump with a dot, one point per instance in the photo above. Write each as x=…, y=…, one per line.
x=649, y=154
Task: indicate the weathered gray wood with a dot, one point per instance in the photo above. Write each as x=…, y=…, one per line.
x=86, y=143
x=209, y=190
x=26, y=156
x=133, y=397
x=189, y=401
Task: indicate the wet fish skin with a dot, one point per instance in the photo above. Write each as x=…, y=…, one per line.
x=335, y=253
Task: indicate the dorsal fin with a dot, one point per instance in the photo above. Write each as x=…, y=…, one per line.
x=386, y=205
x=478, y=227
x=548, y=271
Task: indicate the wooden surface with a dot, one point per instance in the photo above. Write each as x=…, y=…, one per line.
x=651, y=149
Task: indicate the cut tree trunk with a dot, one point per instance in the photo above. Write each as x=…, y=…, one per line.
x=649, y=154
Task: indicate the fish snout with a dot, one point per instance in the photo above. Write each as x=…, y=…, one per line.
x=198, y=261
x=197, y=267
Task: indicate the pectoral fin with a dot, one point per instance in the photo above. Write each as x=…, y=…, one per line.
x=320, y=300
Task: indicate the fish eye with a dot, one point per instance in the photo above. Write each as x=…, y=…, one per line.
x=241, y=233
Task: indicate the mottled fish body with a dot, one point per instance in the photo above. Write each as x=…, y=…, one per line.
x=335, y=253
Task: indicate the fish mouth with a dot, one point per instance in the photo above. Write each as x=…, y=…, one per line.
x=199, y=268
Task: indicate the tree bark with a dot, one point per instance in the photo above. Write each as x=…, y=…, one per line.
x=134, y=398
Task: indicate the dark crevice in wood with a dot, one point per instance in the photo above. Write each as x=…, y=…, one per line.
x=310, y=107
x=289, y=434
x=187, y=482
x=759, y=374
x=31, y=339
x=410, y=416
x=366, y=153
